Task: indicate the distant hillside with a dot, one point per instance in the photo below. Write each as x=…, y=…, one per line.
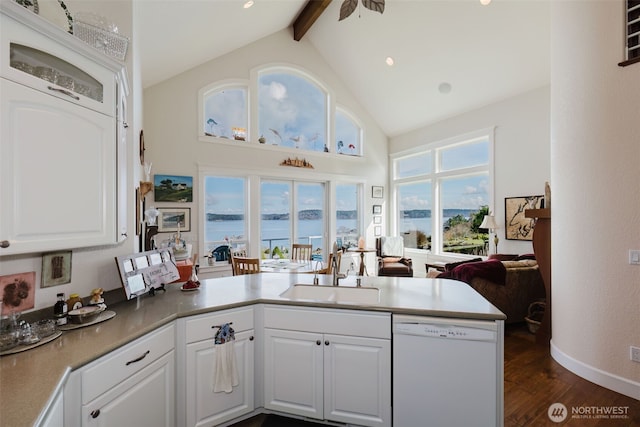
x=426, y=213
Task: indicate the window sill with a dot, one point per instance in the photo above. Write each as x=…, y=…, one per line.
x=629, y=62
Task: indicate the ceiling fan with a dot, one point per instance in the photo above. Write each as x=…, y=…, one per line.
x=348, y=6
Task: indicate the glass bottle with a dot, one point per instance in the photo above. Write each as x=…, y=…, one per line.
x=60, y=310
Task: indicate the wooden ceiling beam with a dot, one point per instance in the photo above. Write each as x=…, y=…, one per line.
x=311, y=12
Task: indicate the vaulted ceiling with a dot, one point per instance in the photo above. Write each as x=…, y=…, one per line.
x=451, y=56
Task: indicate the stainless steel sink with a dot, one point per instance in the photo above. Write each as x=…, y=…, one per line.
x=333, y=293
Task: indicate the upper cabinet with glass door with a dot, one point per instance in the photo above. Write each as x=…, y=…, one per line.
x=67, y=70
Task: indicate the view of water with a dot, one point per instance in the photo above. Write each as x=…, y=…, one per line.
x=274, y=230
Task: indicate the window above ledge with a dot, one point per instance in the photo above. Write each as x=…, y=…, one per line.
x=279, y=106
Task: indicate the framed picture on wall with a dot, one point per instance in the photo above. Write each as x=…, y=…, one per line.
x=173, y=188
x=377, y=230
x=377, y=192
x=517, y=226
x=377, y=219
x=170, y=219
x=377, y=209
x=56, y=268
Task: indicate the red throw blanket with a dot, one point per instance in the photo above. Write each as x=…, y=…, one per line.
x=492, y=270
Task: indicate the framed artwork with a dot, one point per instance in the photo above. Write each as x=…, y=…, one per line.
x=56, y=268
x=173, y=188
x=377, y=209
x=517, y=226
x=172, y=219
x=377, y=192
x=18, y=292
x=377, y=230
x=377, y=219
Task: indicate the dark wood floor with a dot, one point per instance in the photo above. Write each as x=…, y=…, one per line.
x=533, y=381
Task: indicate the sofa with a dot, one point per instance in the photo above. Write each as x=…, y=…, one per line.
x=509, y=283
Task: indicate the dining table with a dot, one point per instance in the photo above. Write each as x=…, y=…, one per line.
x=283, y=265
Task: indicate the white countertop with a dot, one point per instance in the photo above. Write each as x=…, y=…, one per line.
x=28, y=379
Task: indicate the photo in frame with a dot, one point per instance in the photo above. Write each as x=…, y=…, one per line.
x=377, y=192
x=56, y=268
x=377, y=230
x=173, y=188
x=17, y=292
x=172, y=219
x=377, y=209
x=517, y=226
x=377, y=219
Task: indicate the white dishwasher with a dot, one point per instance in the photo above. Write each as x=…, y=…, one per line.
x=447, y=372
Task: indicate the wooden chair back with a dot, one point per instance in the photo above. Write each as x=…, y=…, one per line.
x=243, y=265
x=329, y=268
x=301, y=252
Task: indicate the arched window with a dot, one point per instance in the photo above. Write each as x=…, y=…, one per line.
x=292, y=110
x=225, y=112
x=348, y=134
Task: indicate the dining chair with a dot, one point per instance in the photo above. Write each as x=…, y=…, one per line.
x=243, y=265
x=329, y=267
x=301, y=252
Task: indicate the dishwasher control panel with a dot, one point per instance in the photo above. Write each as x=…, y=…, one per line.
x=445, y=331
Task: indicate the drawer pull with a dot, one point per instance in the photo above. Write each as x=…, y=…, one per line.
x=139, y=358
x=64, y=92
x=95, y=413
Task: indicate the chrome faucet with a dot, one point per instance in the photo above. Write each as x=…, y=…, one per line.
x=315, y=273
x=336, y=275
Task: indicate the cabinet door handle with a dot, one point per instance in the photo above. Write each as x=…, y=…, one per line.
x=5, y=244
x=326, y=342
x=251, y=338
x=139, y=358
x=65, y=92
x=95, y=413
x=318, y=342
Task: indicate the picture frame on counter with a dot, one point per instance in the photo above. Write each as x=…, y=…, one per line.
x=56, y=268
x=174, y=219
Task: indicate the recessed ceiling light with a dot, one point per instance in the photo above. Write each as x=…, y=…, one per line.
x=485, y=2
x=248, y=4
x=389, y=61
x=444, y=87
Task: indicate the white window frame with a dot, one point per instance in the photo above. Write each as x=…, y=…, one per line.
x=435, y=176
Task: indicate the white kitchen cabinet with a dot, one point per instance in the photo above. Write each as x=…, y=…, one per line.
x=328, y=364
x=203, y=407
x=59, y=163
x=131, y=386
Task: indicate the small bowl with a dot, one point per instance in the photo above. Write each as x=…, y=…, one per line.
x=43, y=328
x=85, y=314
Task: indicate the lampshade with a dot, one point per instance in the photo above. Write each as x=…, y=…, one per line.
x=489, y=222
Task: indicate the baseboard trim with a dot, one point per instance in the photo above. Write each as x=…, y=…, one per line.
x=597, y=376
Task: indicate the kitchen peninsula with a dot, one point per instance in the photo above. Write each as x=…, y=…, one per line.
x=30, y=379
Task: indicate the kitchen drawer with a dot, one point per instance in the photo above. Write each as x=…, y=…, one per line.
x=329, y=321
x=199, y=327
x=106, y=372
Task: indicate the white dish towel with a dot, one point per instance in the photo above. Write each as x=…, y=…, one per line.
x=225, y=371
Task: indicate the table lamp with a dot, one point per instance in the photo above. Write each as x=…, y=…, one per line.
x=489, y=222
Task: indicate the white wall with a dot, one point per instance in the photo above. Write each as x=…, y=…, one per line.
x=93, y=267
x=521, y=151
x=171, y=125
x=595, y=157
